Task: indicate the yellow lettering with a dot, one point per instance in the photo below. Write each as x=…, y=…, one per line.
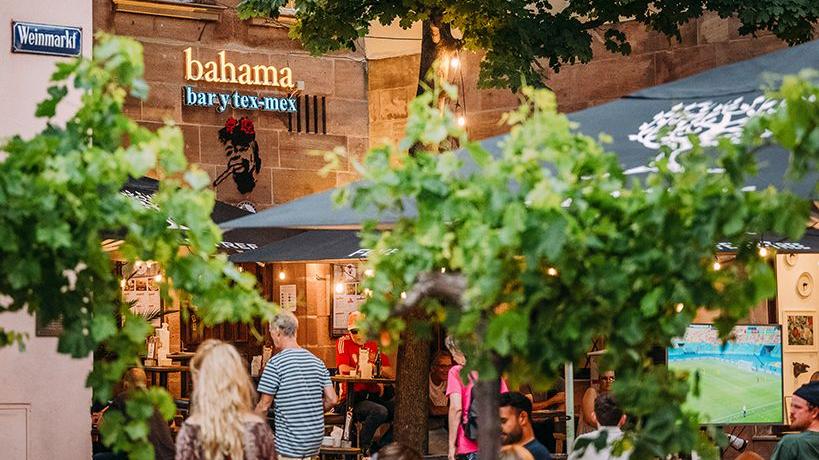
x=244, y=75
x=265, y=75
x=225, y=66
x=190, y=63
x=286, y=77
x=211, y=72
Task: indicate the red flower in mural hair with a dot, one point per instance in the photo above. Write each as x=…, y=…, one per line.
x=246, y=126
x=230, y=125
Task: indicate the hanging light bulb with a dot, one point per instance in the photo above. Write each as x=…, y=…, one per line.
x=339, y=288
x=717, y=266
x=455, y=62
x=158, y=277
x=763, y=252
x=369, y=273
x=282, y=275
x=551, y=271
x=461, y=121
x=443, y=269
x=122, y=283
x=403, y=295
x=679, y=307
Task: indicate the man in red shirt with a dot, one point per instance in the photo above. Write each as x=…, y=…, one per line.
x=370, y=406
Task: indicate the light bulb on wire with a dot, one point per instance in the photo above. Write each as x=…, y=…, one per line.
x=455, y=62
x=461, y=121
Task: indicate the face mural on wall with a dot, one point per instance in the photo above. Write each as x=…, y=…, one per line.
x=242, y=153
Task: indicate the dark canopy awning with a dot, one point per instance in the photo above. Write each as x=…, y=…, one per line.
x=308, y=246
x=234, y=241
x=717, y=100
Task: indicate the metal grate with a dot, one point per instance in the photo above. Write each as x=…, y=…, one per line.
x=310, y=116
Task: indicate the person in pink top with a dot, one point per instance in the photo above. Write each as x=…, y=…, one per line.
x=460, y=398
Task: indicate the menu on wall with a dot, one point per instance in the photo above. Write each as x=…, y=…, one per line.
x=141, y=291
x=348, y=294
x=287, y=297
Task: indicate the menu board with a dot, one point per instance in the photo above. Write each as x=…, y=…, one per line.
x=348, y=294
x=140, y=289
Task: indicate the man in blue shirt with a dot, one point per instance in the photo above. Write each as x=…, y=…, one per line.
x=516, y=424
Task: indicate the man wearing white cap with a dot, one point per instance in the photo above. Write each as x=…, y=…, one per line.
x=370, y=405
x=804, y=416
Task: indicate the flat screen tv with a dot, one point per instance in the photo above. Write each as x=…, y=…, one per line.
x=740, y=381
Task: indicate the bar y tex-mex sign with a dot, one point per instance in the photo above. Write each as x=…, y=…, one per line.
x=221, y=71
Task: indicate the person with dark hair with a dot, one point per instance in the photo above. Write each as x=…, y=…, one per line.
x=804, y=417
x=397, y=451
x=609, y=418
x=516, y=424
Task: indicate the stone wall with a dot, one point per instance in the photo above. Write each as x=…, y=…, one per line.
x=706, y=43
x=288, y=170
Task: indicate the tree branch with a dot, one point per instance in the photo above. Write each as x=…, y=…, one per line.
x=448, y=288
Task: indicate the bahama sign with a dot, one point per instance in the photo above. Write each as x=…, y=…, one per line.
x=221, y=71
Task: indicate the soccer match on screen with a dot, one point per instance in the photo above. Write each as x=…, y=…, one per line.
x=740, y=381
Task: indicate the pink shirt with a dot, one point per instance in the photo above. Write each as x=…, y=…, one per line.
x=454, y=385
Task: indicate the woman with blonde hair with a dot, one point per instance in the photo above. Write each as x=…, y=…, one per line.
x=222, y=424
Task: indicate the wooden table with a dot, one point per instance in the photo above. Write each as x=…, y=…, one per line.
x=350, y=381
x=549, y=414
x=163, y=371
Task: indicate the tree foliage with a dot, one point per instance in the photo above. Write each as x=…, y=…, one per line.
x=556, y=246
x=61, y=197
x=523, y=38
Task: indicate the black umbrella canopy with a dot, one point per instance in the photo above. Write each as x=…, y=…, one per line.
x=309, y=246
x=712, y=103
x=235, y=241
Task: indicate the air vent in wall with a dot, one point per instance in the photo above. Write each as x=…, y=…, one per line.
x=310, y=116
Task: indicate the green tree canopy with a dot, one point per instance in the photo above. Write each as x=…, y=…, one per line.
x=60, y=195
x=523, y=38
x=551, y=257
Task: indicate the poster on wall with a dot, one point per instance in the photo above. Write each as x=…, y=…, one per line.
x=801, y=331
x=140, y=290
x=287, y=297
x=347, y=295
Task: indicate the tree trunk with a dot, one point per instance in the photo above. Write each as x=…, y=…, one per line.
x=488, y=418
x=412, y=389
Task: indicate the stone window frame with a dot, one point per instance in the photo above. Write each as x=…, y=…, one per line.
x=204, y=10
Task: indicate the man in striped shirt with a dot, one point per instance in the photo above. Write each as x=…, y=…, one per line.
x=298, y=386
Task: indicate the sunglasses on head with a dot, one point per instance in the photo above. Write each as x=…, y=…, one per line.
x=353, y=331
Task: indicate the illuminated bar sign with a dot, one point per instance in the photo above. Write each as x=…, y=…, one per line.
x=29, y=37
x=221, y=71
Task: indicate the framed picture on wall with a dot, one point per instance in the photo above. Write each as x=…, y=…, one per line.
x=800, y=330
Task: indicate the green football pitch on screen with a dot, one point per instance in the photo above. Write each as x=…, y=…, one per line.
x=732, y=395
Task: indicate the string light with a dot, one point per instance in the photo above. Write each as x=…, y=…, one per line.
x=339, y=288
x=455, y=62
x=369, y=273
x=282, y=275
x=461, y=121
x=122, y=283
x=443, y=269
x=679, y=307
x=158, y=277
x=717, y=266
x=551, y=271
x=403, y=295
x=763, y=252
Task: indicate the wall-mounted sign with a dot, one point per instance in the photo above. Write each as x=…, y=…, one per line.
x=29, y=37
x=222, y=71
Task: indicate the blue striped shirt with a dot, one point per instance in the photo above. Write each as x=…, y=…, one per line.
x=296, y=379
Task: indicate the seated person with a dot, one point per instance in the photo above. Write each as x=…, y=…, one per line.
x=438, y=401
x=553, y=399
x=159, y=435
x=586, y=423
x=608, y=416
x=515, y=412
x=370, y=406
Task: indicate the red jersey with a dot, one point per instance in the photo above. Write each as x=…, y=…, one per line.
x=347, y=354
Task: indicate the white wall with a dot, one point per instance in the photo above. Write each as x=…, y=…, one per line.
x=789, y=300
x=44, y=405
